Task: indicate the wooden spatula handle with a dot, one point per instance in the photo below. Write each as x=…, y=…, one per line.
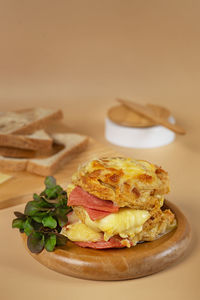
x=146, y=112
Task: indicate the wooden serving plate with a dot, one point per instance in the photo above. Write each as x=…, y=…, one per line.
x=119, y=264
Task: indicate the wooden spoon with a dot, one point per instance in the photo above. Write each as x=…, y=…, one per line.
x=124, y=116
x=148, y=113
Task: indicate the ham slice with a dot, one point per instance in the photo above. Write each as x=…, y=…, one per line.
x=96, y=214
x=82, y=198
x=112, y=243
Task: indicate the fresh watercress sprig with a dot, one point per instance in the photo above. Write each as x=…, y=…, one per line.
x=43, y=218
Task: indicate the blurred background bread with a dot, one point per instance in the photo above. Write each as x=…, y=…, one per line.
x=25, y=146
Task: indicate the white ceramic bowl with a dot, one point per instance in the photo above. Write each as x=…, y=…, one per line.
x=131, y=137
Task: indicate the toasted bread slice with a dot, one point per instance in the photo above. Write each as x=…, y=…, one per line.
x=25, y=153
x=73, y=144
x=13, y=164
x=28, y=120
x=16, y=153
x=12, y=159
x=37, y=141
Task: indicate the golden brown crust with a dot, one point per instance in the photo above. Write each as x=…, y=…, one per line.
x=27, y=142
x=161, y=222
x=39, y=123
x=132, y=183
x=54, y=162
x=16, y=153
x=13, y=164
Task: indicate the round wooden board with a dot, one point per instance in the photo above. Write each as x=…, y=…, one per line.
x=124, y=116
x=119, y=264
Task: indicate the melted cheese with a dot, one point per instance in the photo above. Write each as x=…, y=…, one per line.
x=127, y=222
x=130, y=167
x=79, y=232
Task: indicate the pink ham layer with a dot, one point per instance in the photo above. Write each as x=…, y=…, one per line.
x=95, y=207
x=96, y=214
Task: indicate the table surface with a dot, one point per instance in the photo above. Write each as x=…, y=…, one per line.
x=80, y=55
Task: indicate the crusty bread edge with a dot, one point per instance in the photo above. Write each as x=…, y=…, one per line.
x=16, y=165
x=16, y=153
x=24, y=142
x=13, y=164
x=36, y=168
x=40, y=124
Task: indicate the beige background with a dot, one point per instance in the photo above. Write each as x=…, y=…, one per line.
x=78, y=56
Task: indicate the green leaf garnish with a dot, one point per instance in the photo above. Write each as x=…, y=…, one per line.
x=28, y=228
x=49, y=222
x=18, y=223
x=50, y=243
x=38, y=219
x=51, y=193
x=44, y=217
x=36, y=197
x=31, y=208
x=19, y=215
x=35, y=242
x=62, y=220
x=50, y=182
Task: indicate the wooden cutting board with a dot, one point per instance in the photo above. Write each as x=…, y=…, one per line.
x=119, y=264
x=22, y=185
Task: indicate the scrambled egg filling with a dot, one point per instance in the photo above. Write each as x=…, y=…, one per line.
x=126, y=223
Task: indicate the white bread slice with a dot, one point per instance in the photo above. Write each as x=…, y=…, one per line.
x=74, y=143
x=13, y=164
x=26, y=153
x=37, y=141
x=17, y=153
x=27, y=120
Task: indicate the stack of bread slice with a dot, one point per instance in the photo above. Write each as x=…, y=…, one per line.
x=25, y=145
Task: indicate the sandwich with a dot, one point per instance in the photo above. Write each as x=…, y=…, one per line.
x=118, y=202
